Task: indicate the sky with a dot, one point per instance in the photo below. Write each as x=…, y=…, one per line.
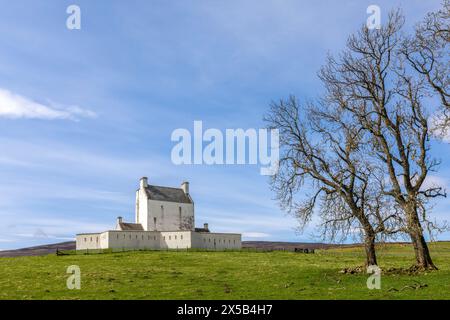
x=85, y=113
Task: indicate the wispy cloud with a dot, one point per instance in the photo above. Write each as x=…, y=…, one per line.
x=438, y=126
x=433, y=181
x=445, y=134
x=58, y=158
x=255, y=235
x=47, y=228
x=15, y=106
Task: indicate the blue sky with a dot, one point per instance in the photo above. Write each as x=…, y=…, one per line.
x=109, y=96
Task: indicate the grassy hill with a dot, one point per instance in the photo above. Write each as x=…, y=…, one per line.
x=225, y=275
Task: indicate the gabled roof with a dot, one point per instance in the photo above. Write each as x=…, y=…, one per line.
x=130, y=226
x=167, y=194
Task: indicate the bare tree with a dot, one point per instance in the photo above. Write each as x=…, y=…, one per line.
x=428, y=53
x=372, y=81
x=321, y=153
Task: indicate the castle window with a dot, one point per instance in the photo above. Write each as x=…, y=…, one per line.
x=175, y=237
x=164, y=238
x=130, y=236
x=142, y=237
x=91, y=239
x=117, y=236
x=136, y=236
x=170, y=237
x=155, y=237
x=181, y=237
x=85, y=239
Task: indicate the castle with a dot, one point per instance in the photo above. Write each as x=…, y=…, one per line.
x=164, y=219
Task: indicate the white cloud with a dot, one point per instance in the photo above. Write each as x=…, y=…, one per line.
x=255, y=235
x=446, y=136
x=439, y=128
x=434, y=181
x=58, y=158
x=14, y=106
x=48, y=228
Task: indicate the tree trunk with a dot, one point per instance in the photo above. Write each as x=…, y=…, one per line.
x=369, y=239
x=369, y=245
x=423, y=257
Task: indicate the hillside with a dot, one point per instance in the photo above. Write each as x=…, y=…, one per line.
x=225, y=275
x=70, y=245
x=39, y=250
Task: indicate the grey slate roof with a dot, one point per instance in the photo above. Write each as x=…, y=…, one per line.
x=131, y=226
x=167, y=194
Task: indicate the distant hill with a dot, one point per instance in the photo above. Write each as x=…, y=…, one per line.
x=258, y=245
x=39, y=250
x=275, y=245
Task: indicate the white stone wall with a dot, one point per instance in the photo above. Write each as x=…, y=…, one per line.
x=170, y=216
x=156, y=215
x=176, y=240
x=216, y=241
x=133, y=240
x=104, y=240
x=141, y=215
x=153, y=240
x=88, y=241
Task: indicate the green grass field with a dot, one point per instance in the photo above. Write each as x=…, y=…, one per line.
x=224, y=275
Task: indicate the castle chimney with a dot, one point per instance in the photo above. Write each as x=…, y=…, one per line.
x=205, y=226
x=144, y=182
x=185, y=187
